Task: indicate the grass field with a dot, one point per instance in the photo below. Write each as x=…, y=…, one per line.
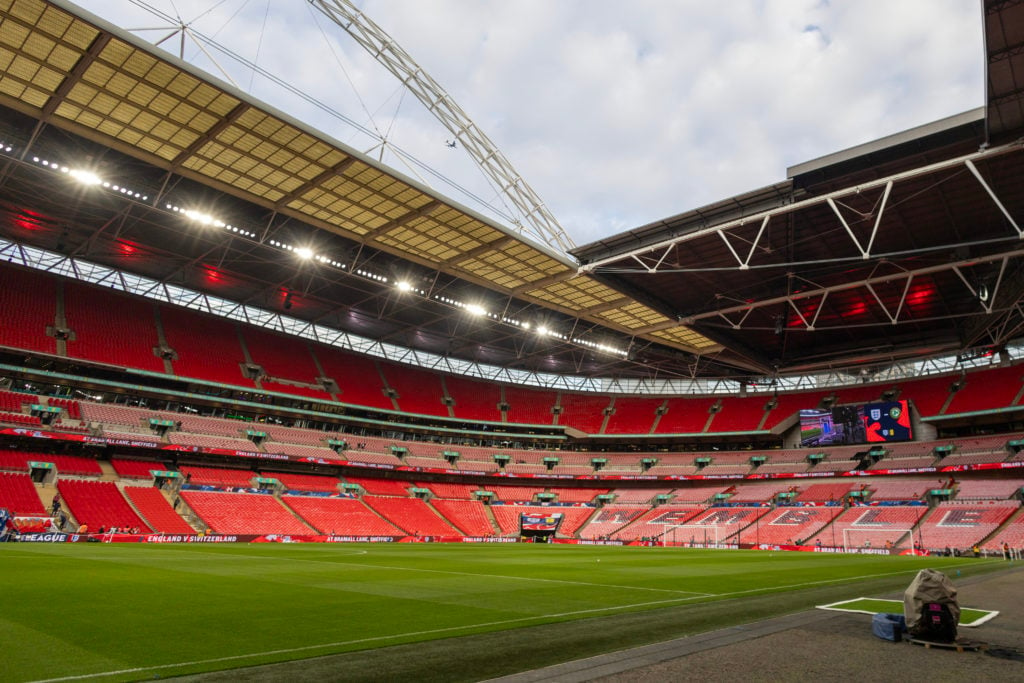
x=443, y=612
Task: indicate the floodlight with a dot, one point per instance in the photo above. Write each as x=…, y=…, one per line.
x=476, y=309
x=85, y=177
x=304, y=252
x=403, y=286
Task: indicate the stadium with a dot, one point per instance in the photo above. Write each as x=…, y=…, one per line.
x=271, y=409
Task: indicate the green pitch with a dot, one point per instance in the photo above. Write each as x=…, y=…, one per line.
x=433, y=612
x=968, y=615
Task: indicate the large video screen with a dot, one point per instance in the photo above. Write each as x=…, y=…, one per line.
x=853, y=424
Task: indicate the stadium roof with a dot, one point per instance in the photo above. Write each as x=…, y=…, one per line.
x=181, y=134
x=868, y=256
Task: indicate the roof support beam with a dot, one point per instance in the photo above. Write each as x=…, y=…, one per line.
x=619, y=262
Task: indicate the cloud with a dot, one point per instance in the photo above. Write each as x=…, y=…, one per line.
x=619, y=115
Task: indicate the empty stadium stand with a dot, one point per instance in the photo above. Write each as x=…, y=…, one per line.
x=244, y=513
x=99, y=504
x=18, y=494
x=157, y=512
x=342, y=516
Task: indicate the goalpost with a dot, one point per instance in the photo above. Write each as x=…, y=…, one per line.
x=850, y=538
x=691, y=535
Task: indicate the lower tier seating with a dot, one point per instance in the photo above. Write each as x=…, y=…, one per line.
x=872, y=527
x=341, y=516
x=468, y=516
x=411, y=514
x=243, y=513
x=99, y=504
x=158, y=513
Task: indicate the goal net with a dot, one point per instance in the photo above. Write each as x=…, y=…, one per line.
x=856, y=539
x=691, y=535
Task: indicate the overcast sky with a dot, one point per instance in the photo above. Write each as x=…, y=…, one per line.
x=616, y=113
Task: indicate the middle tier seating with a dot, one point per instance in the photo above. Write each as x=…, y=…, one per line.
x=217, y=476
x=136, y=469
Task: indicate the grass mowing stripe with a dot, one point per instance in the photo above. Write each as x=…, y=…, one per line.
x=476, y=575
x=721, y=597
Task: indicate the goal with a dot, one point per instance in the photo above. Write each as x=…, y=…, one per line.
x=854, y=538
x=691, y=535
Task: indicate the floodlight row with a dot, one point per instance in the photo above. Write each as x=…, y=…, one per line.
x=85, y=177
x=89, y=178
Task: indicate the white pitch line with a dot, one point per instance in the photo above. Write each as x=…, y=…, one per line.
x=308, y=648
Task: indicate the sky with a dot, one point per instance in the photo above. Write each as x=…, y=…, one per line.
x=617, y=114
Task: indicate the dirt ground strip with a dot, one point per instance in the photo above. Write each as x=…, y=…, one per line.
x=821, y=646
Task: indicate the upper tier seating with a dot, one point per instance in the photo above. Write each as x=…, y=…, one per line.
x=633, y=415
x=790, y=405
x=611, y=518
x=530, y=406
x=740, y=414
x=18, y=494
x=111, y=328
x=790, y=525
x=508, y=517
x=418, y=391
x=344, y=516
x=158, y=513
x=281, y=356
x=216, y=476
x=582, y=411
x=244, y=513
x=987, y=390
x=208, y=348
x=411, y=514
x=99, y=504
x=872, y=527
x=474, y=400
x=28, y=299
x=928, y=395
x=356, y=376
x=685, y=415
x=136, y=469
